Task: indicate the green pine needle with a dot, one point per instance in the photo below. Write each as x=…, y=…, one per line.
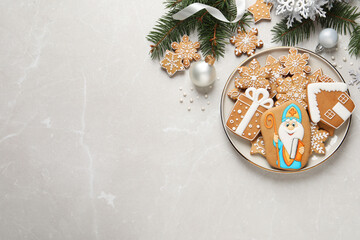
x=341, y=17
x=354, y=44
x=299, y=32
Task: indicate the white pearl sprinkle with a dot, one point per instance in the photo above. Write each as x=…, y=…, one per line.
x=344, y=59
x=206, y=96
x=184, y=94
x=351, y=63
x=208, y=103
x=180, y=88
x=334, y=64
x=333, y=57
x=181, y=100
x=211, y=87
x=345, y=48
x=191, y=100
x=189, y=109
x=192, y=89
x=340, y=66
x=202, y=109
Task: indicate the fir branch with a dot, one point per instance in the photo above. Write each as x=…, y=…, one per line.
x=166, y=31
x=354, y=44
x=298, y=32
x=213, y=37
x=342, y=17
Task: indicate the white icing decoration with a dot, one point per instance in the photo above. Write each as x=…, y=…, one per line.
x=234, y=128
x=264, y=101
x=231, y=121
x=239, y=111
x=258, y=126
x=341, y=111
x=315, y=88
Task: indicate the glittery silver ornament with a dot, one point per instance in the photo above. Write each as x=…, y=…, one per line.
x=202, y=74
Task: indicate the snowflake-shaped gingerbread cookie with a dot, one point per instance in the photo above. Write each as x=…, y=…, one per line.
x=187, y=50
x=253, y=76
x=295, y=63
x=258, y=146
x=246, y=42
x=275, y=68
x=292, y=88
x=318, y=137
x=233, y=94
x=172, y=62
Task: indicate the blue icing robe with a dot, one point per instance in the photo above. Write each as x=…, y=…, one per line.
x=282, y=153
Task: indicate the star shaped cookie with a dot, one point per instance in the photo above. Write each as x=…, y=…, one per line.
x=260, y=10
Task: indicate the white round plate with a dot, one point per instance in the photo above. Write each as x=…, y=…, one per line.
x=243, y=146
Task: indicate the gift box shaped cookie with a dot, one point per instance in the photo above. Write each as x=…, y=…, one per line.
x=244, y=119
x=329, y=103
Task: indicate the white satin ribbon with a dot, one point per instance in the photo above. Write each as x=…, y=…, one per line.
x=264, y=101
x=195, y=7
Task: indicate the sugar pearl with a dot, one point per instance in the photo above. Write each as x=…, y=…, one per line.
x=181, y=100
x=206, y=96
x=332, y=57
x=184, y=94
x=202, y=109
x=208, y=103
x=191, y=100
x=344, y=59
x=340, y=66
x=189, y=109
x=180, y=88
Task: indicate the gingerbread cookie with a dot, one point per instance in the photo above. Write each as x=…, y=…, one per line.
x=260, y=10
x=258, y=146
x=172, y=62
x=287, y=136
x=327, y=128
x=275, y=68
x=253, y=76
x=187, y=50
x=329, y=103
x=295, y=63
x=314, y=77
x=245, y=115
x=246, y=42
x=234, y=93
x=292, y=88
x=318, y=137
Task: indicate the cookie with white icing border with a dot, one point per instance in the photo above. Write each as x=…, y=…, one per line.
x=329, y=103
x=287, y=136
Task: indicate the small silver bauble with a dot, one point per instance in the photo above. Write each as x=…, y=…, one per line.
x=202, y=74
x=328, y=38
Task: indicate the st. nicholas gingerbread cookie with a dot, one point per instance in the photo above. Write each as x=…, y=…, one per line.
x=287, y=136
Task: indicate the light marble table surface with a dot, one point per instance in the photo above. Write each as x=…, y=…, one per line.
x=94, y=143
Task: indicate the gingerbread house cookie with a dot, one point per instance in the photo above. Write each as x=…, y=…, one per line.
x=329, y=103
x=244, y=119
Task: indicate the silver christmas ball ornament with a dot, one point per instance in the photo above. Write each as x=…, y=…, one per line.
x=328, y=38
x=202, y=74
